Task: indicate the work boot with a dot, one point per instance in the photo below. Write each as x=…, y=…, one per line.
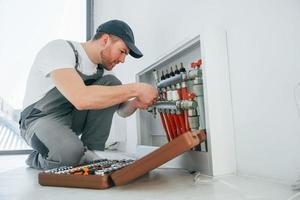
x=89, y=156
x=33, y=161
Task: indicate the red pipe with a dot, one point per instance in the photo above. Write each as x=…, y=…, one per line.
x=178, y=125
x=174, y=125
x=179, y=91
x=185, y=93
x=168, y=126
x=182, y=123
x=181, y=115
x=168, y=123
x=164, y=125
x=171, y=125
x=186, y=119
x=185, y=96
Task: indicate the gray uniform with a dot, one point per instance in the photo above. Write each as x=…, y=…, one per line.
x=52, y=125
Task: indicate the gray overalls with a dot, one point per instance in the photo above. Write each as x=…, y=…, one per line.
x=52, y=125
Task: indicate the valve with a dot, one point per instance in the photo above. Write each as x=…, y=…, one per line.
x=199, y=63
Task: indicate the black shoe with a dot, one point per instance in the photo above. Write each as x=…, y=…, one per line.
x=32, y=160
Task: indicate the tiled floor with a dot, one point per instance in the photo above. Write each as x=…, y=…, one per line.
x=19, y=182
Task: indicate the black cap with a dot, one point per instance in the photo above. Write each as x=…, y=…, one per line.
x=123, y=31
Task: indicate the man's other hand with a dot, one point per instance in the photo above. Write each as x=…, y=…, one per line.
x=147, y=95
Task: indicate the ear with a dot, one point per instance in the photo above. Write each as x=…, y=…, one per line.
x=105, y=39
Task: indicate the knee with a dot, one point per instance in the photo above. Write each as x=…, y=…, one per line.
x=71, y=154
x=109, y=80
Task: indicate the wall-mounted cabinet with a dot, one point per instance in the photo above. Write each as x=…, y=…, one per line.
x=217, y=155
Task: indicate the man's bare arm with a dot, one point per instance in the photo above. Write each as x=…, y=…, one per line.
x=83, y=97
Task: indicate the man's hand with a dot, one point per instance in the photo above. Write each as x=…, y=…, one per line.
x=147, y=95
x=201, y=134
x=139, y=104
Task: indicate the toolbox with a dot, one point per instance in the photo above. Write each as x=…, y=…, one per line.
x=108, y=173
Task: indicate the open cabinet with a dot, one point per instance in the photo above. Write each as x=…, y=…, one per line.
x=212, y=94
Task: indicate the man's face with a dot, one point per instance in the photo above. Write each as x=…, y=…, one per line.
x=114, y=53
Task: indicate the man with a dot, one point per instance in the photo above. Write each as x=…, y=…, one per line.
x=70, y=93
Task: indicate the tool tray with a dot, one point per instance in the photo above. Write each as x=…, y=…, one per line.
x=123, y=171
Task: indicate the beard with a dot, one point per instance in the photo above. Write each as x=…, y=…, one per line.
x=107, y=61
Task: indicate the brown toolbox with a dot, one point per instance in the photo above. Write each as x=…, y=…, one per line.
x=131, y=171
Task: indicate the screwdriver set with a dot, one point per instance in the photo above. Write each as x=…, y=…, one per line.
x=97, y=167
x=104, y=173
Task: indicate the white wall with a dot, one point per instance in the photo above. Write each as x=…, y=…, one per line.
x=263, y=47
x=26, y=26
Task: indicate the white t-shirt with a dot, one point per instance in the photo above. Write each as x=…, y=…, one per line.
x=57, y=54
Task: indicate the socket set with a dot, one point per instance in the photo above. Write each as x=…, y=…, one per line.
x=104, y=173
x=97, y=167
